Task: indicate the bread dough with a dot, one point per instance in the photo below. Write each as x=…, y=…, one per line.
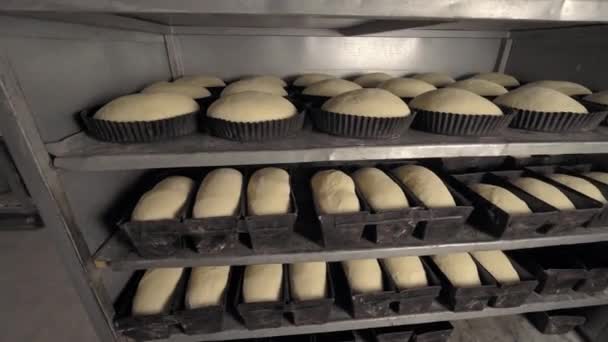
x=379, y=190
x=154, y=291
x=364, y=275
x=541, y=100
x=334, y=192
x=502, y=198
x=305, y=80
x=268, y=192
x=581, y=185
x=498, y=78
x=251, y=106
x=330, y=88
x=219, y=194
x=435, y=78
x=426, y=185
x=454, y=100
x=253, y=85
x=163, y=201
x=459, y=268
x=480, y=87
x=146, y=107
x=406, y=87
x=267, y=79
x=201, y=81
x=600, y=97
x=564, y=87
x=407, y=272
x=262, y=283
x=367, y=102
x=498, y=265
x=206, y=286
x=308, y=280
x=545, y=192
x=190, y=90
x=372, y=80
x=598, y=176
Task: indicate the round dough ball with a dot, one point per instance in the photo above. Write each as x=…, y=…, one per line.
x=407, y=272
x=146, y=107
x=600, y=97
x=502, y=198
x=581, y=185
x=206, y=286
x=330, y=88
x=190, y=90
x=498, y=265
x=564, y=87
x=498, y=78
x=598, y=176
x=308, y=280
x=545, y=192
x=457, y=101
x=164, y=201
x=372, y=80
x=334, y=192
x=201, y=81
x=364, y=275
x=459, y=268
x=367, y=102
x=406, y=87
x=305, y=80
x=219, y=194
x=267, y=79
x=540, y=99
x=435, y=78
x=251, y=106
x=380, y=191
x=426, y=185
x=154, y=291
x=480, y=87
x=262, y=283
x=253, y=85
x=268, y=192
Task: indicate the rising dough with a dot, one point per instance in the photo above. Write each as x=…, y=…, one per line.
x=219, y=194
x=459, y=268
x=154, y=291
x=262, y=283
x=206, y=286
x=498, y=78
x=426, y=185
x=564, y=87
x=202, y=81
x=251, y=106
x=453, y=100
x=406, y=87
x=601, y=97
x=541, y=100
x=435, y=78
x=330, y=88
x=369, y=103
x=307, y=79
x=545, y=192
x=253, y=85
x=308, y=280
x=480, y=87
x=334, y=192
x=407, y=271
x=502, y=198
x=380, y=191
x=146, y=107
x=372, y=80
x=163, y=201
x=267, y=79
x=598, y=176
x=581, y=185
x=268, y=192
x=498, y=265
x=364, y=275
x=190, y=90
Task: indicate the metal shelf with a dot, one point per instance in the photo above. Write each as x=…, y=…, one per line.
x=83, y=153
x=119, y=255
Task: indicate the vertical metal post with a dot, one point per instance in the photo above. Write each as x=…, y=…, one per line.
x=174, y=55
x=503, y=54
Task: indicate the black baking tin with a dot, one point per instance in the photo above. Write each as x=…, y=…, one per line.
x=313, y=101
x=460, y=124
x=601, y=219
x=595, y=261
x=255, y=131
x=561, y=122
x=432, y=332
x=392, y=334
x=315, y=311
x=556, y=322
x=595, y=107
x=261, y=314
x=355, y=126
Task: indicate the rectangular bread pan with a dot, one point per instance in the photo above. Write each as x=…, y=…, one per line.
x=595, y=261
x=261, y=314
x=601, y=219
x=392, y=334
x=432, y=332
x=556, y=322
x=316, y=311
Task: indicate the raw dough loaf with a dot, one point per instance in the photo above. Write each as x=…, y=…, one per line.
x=372, y=80
x=262, y=283
x=330, y=88
x=267, y=79
x=498, y=265
x=406, y=87
x=146, y=107
x=601, y=97
x=598, y=176
x=459, y=268
x=268, y=192
x=364, y=275
x=480, y=87
x=308, y=280
x=201, y=81
x=380, y=191
x=454, y=100
x=190, y=90
x=581, y=185
x=369, y=103
x=154, y=291
x=164, y=200
x=541, y=100
x=307, y=79
x=334, y=192
x=426, y=185
x=407, y=272
x=253, y=85
x=435, y=78
x=502, y=198
x=545, y=192
x=564, y=87
x=498, y=78
x=251, y=106
x=219, y=194
x=206, y=286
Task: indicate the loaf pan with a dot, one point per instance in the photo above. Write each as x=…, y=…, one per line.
x=392, y=334
x=601, y=219
x=432, y=332
x=556, y=322
x=316, y=311
x=260, y=315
